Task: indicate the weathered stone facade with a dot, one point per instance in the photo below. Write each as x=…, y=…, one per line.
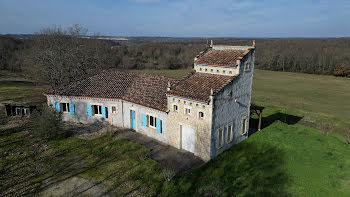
x=122, y=117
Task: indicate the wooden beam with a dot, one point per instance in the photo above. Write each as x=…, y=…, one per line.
x=259, y=127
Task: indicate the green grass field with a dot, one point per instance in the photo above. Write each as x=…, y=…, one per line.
x=281, y=160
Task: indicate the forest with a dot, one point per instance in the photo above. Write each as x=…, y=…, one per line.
x=59, y=56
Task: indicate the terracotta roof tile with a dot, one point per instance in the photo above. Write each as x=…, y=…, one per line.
x=140, y=88
x=197, y=86
x=221, y=57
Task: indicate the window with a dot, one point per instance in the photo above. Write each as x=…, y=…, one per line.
x=247, y=66
x=201, y=115
x=211, y=70
x=187, y=111
x=175, y=108
x=220, y=138
x=230, y=72
x=152, y=121
x=223, y=71
x=206, y=69
x=114, y=109
x=65, y=107
x=200, y=69
x=244, y=125
x=25, y=111
x=217, y=70
x=229, y=133
x=96, y=109
x=18, y=111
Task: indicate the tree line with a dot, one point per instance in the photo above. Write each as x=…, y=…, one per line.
x=59, y=56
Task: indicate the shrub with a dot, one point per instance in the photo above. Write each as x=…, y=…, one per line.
x=45, y=123
x=341, y=70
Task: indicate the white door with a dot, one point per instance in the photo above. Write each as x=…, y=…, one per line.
x=188, y=138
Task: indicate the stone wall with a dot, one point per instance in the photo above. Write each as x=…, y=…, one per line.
x=120, y=119
x=221, y=70
x=231, y=105
x=201, y=126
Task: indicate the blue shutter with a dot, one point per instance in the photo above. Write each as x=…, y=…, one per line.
x=71, y=108
x=57, y=105
x=159, y=125
x=144, y=120
x=103, y=111
x=88, y=109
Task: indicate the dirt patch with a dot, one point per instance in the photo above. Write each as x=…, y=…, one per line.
x=77, y=186
x=171, y=158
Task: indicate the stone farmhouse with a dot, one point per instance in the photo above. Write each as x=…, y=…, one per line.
x=205, y=113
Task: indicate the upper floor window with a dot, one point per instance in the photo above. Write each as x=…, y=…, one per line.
x=187, y=111
x=175, y=108
x=201, y=115
x=247, y=66
x=211, y=70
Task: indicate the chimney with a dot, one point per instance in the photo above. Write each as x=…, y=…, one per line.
x=168, y=86
x=211, y=43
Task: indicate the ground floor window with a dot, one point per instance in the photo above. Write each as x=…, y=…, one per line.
x=96, y=109
x=244, y=125
x=220, y=137
x=114, y=109
x=65, y=107
x=152, y=121
x=229, y=133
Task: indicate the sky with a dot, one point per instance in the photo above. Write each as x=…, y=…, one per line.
x=181, y=18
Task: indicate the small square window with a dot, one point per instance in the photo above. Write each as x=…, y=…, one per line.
x=187, y=111
x=206, y=69
x=230, y=72
x=217, y=70
x=175, y=108
x=201, y=115
x=114, y=109
x=223, y=71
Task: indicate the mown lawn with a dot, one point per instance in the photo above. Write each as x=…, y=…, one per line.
x=281, y=160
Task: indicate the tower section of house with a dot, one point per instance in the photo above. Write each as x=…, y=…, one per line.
x=209, y=109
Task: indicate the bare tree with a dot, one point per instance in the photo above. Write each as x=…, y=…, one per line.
x=60, y=56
